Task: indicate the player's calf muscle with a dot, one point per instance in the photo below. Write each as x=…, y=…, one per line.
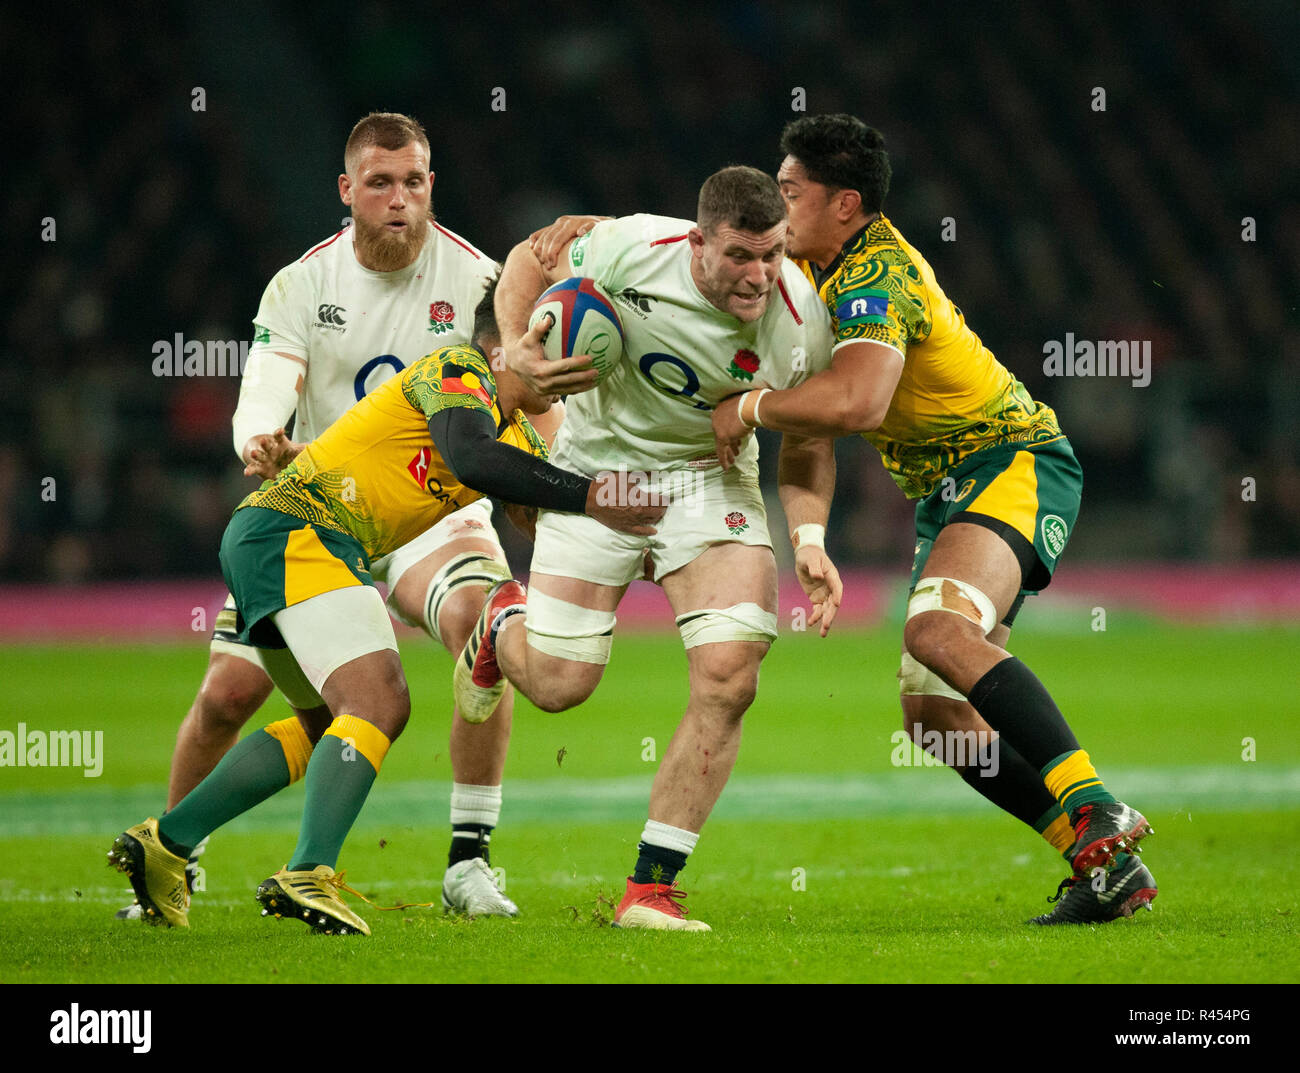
x=550, y=682
x=925, y=713
x=556, y=685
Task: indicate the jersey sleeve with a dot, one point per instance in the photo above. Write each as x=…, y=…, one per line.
x=448, y=378
x=284, y=315
x=879, y=301
x=270, y=386
x=525, y=437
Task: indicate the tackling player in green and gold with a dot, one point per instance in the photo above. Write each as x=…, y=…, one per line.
x=296, y=556
x=998, y=491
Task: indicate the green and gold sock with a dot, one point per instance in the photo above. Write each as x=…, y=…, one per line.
x=342, y=769
x=258, y=766
x=1054, y=826
x=1073, y=781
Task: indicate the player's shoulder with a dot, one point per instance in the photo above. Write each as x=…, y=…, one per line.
x=314, y=262
x=459, y=355
x=880, y=257
x=882, y=244
x=630, y=250
x=646, y=231
x=457, y=247
x=323, y=252
x=298, y=282
x=450, y=371
x=458, y=271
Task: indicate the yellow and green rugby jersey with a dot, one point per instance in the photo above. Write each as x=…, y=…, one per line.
x=375, y=472
x=954, y=397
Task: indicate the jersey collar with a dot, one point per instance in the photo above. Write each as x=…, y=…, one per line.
x=821, y=275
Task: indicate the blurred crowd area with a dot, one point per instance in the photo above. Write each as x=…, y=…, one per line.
x=1127, y=224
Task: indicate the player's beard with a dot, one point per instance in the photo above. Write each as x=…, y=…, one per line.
x=382, y=251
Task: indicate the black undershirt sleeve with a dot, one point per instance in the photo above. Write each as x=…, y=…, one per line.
x=466, y=439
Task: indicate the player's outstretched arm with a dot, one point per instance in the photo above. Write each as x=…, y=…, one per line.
x=266, y=455
x=522, y=281
x=268, y=397
x=465, y=437
x=850, y=397
x=806, y=483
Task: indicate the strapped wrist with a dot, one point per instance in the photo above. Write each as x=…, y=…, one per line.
x=748, y=409
x=808, y=536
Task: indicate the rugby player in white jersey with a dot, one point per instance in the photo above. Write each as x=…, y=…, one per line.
x=707, y=309
x=349, y=314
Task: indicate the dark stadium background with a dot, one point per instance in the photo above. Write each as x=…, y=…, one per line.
x=1122, y=224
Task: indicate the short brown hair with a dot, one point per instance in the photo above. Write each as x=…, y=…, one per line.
x=740, y=197
x=388, y=130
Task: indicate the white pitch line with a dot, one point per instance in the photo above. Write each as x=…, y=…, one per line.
x=564, y=799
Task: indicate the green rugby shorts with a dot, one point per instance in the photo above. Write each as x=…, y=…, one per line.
x=273, y=560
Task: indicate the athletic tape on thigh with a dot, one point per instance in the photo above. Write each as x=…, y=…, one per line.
x=739, y=622
x=567, y=630
x=237, y=649
x=916, y=679
x=472, y=568
x=958, y=597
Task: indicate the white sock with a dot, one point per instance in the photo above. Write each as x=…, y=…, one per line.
x=668, y=837
x=475, y=804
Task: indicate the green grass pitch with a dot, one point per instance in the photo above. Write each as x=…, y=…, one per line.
x=824, y=861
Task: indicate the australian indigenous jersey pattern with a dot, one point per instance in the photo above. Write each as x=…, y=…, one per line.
x=375, y=472
x=954, y=398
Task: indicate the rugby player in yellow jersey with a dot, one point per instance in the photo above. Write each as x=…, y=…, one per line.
x=998, y=491
x=296, y=555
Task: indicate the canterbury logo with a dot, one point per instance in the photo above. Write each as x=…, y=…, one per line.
x=331, y=314
x=636, y=299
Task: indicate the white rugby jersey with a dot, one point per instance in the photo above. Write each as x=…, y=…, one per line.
x=682, y=355
x=353, y=328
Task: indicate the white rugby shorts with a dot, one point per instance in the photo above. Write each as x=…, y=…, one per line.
x=706, y=507
x=325, y=632
x=473, y=521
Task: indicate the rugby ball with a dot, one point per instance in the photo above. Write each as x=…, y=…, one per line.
x=584, y=321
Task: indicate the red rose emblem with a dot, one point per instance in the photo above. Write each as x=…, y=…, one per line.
x=735, y=521
x=744, y=365
x=442, y=313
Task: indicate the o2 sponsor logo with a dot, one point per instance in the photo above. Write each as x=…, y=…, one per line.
x=669, y=374
x=363, y=384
